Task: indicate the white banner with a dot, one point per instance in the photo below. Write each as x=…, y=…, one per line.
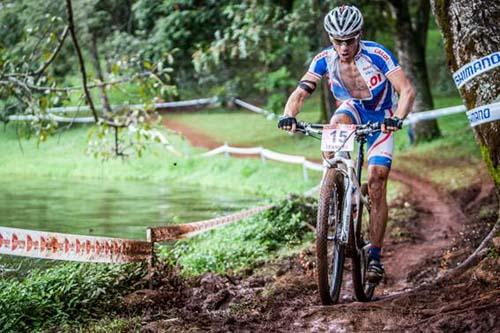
x=476, y=67
x=49, y=245
x=484, y=114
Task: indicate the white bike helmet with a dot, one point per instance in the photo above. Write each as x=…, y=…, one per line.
x=343, y=21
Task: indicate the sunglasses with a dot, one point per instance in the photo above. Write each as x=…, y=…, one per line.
x=347, y=42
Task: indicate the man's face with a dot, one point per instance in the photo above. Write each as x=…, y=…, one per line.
x=346, y=47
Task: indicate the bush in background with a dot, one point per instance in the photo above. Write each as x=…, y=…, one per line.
x=64, y=294
x=244, y=244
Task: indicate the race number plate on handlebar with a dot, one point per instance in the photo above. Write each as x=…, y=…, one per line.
x=334, y=138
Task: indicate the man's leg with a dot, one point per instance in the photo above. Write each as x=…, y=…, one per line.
x=377, y=189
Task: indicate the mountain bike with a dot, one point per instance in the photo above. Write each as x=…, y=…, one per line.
x=340, y=209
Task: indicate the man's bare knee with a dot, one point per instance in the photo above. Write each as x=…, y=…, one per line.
x=377, y=180
x=340, y=118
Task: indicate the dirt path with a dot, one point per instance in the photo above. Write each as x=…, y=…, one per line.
x=444, y=220
x=196, y=138
x=284, y=298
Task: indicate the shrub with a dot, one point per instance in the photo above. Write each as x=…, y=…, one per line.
x=244, y=244
x=63, y=294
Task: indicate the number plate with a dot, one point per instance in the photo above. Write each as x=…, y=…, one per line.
x=334, y=136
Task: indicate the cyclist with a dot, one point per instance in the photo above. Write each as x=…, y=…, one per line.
x=364, y=77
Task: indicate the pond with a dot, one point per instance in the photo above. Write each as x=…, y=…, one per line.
x=121, y=209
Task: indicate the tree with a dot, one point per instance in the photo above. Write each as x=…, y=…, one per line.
x=470, y=30
x=28, y=88
x=411, y=40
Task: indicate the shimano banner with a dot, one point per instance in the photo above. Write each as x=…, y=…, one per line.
x=484, y=114
x=476, y=67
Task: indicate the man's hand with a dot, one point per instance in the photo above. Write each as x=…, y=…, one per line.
x=392, y=124
x=287, y=123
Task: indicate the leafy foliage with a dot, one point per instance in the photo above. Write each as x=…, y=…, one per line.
x=246, y=243
x=66, y=293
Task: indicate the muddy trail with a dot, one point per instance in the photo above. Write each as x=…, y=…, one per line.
x=429, y=232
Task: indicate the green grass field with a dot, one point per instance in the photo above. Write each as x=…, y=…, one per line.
x=64, y=156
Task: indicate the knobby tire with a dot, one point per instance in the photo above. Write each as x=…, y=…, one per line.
x=330, y=265
x=362, y=290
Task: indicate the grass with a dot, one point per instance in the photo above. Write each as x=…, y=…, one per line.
x=63, y=156
x=244, y=128
x=66, y=293
x=241, y=246
x=456, y=151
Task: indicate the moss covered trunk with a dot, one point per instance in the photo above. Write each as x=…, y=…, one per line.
x=411, y=38
x=470, y=30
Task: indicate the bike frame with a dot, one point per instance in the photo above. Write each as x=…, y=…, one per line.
x=352, y=187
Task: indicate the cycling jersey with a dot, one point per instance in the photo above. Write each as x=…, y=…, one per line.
x=374, y=62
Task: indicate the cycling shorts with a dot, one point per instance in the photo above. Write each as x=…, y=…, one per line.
x=380, y=145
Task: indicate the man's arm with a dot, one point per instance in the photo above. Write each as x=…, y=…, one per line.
x=296, y=99
x=405, y=90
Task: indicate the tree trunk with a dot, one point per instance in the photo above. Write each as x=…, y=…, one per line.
x=327, y=100
x=94, y=55
x=411, y=45
x=470, y=30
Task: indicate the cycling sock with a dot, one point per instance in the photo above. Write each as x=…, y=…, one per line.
x=374, y=253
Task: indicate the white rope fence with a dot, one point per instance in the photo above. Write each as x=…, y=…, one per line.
x=415, y=117
x=177, y=104
x=266, y=154
x=412, y=118
x=89, y=120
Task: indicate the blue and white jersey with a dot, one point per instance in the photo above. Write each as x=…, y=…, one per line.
x=374, y=63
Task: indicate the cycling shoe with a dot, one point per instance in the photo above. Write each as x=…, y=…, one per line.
x=375, y=271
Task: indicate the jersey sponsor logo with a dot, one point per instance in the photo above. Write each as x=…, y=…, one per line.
x=474, y=68
x=375, y=80
x=381, y=53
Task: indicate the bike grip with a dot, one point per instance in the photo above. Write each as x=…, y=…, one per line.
x=301, y=125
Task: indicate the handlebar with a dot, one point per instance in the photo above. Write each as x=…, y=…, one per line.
x=317, y=129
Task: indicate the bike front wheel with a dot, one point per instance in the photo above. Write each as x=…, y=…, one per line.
x=363, y=290
x=330, y=253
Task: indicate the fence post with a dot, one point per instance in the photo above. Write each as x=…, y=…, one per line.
x=151, y=259
x=262, y=157
x=304, y=171
x=226, y=153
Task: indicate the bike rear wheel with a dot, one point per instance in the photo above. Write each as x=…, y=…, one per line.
x=330, y=254
x=363, y=290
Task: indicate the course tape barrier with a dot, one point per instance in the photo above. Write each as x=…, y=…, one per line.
x=187, y=103
x=51, y=117
x=484, y=114
x=415, y=117
x=175, y=232
x=253, y=108
x=476, y=67
x=266, y=154
x=87, y=120
x=51, y=245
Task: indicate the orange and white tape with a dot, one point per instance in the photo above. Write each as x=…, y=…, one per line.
x=49, y=245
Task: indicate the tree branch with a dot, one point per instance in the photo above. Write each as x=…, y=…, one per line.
x=39, y=72
x=70, y=89
x=474, y=258
x=71, y=26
